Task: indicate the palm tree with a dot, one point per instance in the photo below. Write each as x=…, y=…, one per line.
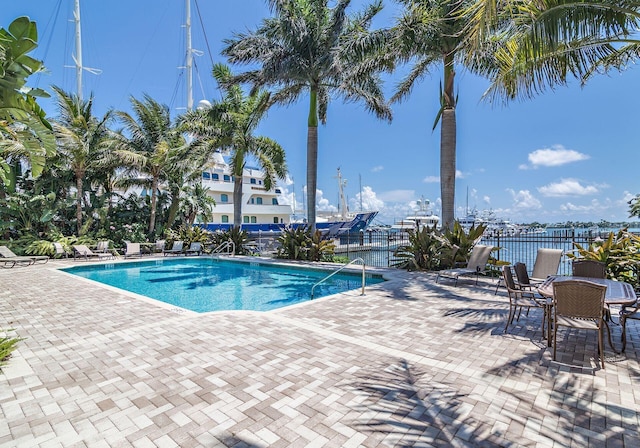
x=81, y=138
x=231, y=123
x=197, y=203
x=542, y=45
x=152, y=147
x=309, y=47
x=24, y=130
x=432, y=33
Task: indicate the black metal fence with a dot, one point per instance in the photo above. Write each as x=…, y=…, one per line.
x=377, y=247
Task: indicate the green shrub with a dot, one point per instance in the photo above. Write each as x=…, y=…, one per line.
x=300, y=244
x=427, y=250
x=7, y=345
x=239, y=238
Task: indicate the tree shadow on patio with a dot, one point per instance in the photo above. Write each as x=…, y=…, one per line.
x=404, y=406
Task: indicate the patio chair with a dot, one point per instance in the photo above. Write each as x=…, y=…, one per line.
x=522, y=276
x=194, y=248
x=102, y=246
x=588, y=268
x=546, y=264
x=5, y=252
x=579, y=304
x=7, y=263
x=159, y=246
x=132, y=250
x=632, y=312
x=60, y=250
x=521, y=298
x=83, y=252
x=176, y=249
x=477, y=264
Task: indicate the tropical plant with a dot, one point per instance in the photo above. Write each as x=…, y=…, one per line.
x=239, y=238
x=189, y=234
x=23, y=213
x=7, y=345
x=197, y=203
x=24, y=130
x=81, y=138
x=303, y=243
x=309, y=47
x=620, y=252
x=427, y=250
x=539, y=45
x=457, y=236
x=152, y=149
x=233, y=121
x=634, y=207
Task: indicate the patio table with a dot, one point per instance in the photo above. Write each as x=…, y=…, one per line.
x=617, y=293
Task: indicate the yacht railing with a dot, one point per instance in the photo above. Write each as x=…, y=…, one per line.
x=360, y=260
x=226, y=245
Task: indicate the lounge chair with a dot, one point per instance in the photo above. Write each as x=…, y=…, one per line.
x=7, y=263
x=176, y=249
x=60, y=250
x=546, y=264
x=194, y=248
x=5, y=252
x=132, y=250
x=477, y=264
x=159, y=246
x=82, y=251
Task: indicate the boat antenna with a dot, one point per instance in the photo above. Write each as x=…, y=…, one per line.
x=189, y=57
x=77, y=58
x=360, y=179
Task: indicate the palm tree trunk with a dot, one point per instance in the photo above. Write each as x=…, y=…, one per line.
x=312, y=159
x=173, y=208
x=154, y=200
x=237, y=200
x=448, y=166
x=448, y=144
x=80, y=193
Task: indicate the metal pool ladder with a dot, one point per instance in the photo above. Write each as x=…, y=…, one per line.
x=225, y=246
x=340, y=269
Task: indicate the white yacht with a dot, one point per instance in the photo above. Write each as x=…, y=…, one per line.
x=423, y=217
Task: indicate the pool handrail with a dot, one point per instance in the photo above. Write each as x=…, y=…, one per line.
x=225, y=245
x=340, y=269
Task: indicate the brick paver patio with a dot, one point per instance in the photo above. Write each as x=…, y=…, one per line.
x=412, y=363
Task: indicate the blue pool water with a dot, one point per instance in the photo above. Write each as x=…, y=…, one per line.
x=207, y=284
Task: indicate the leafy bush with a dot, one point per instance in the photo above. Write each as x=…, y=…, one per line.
x=619, y=252
x=7, y=345
x=465, y=241
x=239, y=238
x=300, y=244
x=427, y=249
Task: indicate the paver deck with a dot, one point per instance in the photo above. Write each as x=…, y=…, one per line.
x=413, y=363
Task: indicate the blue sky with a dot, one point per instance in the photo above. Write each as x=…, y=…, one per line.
x=569, y=154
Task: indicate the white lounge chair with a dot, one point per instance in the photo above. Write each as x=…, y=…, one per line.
x=132, y=250
x=194, y=248
x=5, y=252
x=82, y=251
x=176, y=249
x=477, y=264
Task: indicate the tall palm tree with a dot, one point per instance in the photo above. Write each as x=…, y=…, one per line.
x=232, y=122
x=152, y=147
x=430, y=34
x=308, y=47
x=81, y=139
x=543, y=44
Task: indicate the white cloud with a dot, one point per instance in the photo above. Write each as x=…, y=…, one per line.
x=567, y=187
x=557, y=155
x=460, y=174
x=524, y=200
x=377, y=169
x=323, y=204
x=523, y=167
x=486, y=200
x=431, y=179
x=370, y=200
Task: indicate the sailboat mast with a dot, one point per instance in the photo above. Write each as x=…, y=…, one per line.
x=189, y=57
x=78, y=56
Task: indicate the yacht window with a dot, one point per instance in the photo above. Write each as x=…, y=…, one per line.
x=275, y=220
x=259, y=201
x=253, y=181
x=206, y=175
x=274, y=201
x=245, y=219
x=254, y=220
x=252, y=201
x=215, y=176
x=225, y=218
x=278, y=191
x=227, y=178
x=224, y=198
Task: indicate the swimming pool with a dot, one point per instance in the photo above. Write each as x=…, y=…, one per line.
x=205, y=284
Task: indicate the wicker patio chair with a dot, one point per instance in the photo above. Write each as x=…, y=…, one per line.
x=579, y=304
x=521, y=298
x=588, y=268
x=630, y=312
